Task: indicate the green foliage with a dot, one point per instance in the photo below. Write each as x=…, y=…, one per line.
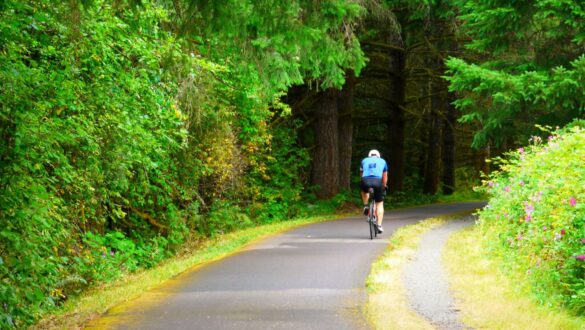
x=88, y=128
x=536, y=213
x=282, y=41
x=124, y=130
x=497, y=98
x=510, y=81
x=279, y=180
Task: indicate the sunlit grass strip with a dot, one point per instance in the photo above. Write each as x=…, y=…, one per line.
x=79, y=310
x=489, y=299
x=387, y=306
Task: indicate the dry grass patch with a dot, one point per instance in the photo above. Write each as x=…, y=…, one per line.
x=489, y=299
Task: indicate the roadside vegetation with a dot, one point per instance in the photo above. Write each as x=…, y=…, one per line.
x=488, y=292
x=535, y=220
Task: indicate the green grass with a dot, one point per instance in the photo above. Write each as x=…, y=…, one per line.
x=489, y=299
x=79, y=310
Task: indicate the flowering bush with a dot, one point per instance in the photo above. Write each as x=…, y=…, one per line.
x=535, y=218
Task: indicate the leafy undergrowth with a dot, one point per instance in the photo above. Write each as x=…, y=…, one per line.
x=535, y=220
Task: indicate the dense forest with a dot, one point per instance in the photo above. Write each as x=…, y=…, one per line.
x=130, y=127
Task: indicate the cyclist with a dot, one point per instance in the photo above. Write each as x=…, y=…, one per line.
x=374, y=174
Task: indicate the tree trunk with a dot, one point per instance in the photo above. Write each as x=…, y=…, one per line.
x=432, y=170
x=431, y=182
x=396, y=158
x=345, y=106
x=449, y=146
x=325, y=173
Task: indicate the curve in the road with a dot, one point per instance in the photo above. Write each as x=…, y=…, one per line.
x=311, y=277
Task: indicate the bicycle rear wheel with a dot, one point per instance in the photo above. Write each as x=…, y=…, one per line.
x=372, y=220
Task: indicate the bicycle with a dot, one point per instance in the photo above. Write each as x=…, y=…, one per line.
x=372, y=221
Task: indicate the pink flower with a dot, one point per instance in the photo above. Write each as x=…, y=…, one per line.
x=537, y=197
x=583, y=240
x=521, y=150
x=563, y=232
x=521, y=183
x=528, y=208
x=572, y=201
x=507, y=189
x=520, y=237
x=580, y=257
x=491, y=184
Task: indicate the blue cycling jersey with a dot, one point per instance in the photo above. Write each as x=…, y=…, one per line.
x=373, y=167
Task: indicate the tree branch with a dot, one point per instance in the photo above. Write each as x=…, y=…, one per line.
x=383, y=45
x=148, y=218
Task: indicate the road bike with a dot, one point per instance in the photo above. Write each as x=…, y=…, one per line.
x=372, y=221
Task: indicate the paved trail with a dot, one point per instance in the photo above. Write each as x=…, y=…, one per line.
x=311, y=277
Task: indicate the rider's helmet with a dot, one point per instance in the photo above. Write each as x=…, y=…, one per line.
x=374, y=153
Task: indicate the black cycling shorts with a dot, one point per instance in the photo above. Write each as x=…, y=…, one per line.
x=376, y=183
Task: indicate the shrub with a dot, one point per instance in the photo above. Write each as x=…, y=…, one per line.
x=117, y=139
x=535, y=219
x=88, y=128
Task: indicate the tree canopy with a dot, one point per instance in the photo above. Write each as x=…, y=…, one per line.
x=525, y=66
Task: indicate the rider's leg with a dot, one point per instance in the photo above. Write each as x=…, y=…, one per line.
x=380, y=212
x=365, y=197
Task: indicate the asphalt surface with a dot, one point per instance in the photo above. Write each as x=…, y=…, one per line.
x=311, y=277
x=425, y=279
